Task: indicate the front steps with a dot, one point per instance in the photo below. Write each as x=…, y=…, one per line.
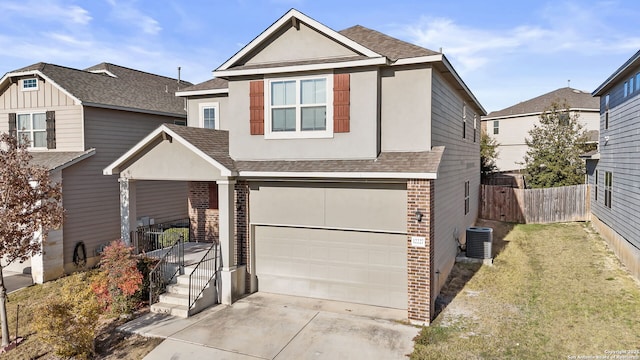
x=175, y=301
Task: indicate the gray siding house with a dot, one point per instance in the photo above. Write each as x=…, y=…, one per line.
x=613, y=172
x=510, y=126
x=340, y=165
x=79, y=121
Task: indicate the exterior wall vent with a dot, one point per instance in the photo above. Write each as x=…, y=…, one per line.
x=479, y=240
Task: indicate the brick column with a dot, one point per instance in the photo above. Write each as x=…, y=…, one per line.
x=204, y=221
x=420, y=197
x=242, y=228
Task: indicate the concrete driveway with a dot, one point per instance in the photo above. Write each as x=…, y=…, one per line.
x=268, y=326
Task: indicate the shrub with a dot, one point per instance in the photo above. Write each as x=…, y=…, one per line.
x=145, y=265
x=170, y=236
x=68, y=322
x=119, y=278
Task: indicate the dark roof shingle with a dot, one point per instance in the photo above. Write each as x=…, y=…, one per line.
x=52, y=160
x=384, y=44
x=576, y=99
x=213, y=84
x=131, y=89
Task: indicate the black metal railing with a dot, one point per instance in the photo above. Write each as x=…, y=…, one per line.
x=202, y=274
x=171, y=263
x=158, y=236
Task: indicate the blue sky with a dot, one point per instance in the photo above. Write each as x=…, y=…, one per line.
x=506, y=51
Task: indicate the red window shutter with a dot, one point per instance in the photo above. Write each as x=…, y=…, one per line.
x=341, y=99
x=256, y=107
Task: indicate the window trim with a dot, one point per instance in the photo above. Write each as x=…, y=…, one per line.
x=466, y=197
x=496, y=129
x=475, y=127
x=595, y=193
x=606, y=111
x=44, y=130
x=608, y=188
x=23, y=88
x=207, y=105
x=299, y=133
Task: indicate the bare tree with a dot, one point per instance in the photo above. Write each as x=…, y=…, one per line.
x=30, y=205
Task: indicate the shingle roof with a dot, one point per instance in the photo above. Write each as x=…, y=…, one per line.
x=131, y=89
x=215, y=144
x=387, y=162
x=576, y=99
x=52, y=160
x=384, y=44
x=213, y=84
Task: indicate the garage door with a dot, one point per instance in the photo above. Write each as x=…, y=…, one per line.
x=360, y=267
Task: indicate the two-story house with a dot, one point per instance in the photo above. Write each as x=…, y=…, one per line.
x=76, y=123
x=510, y=126
x=340, y=165
x=614, y=172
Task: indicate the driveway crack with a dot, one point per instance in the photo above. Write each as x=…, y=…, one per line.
x=296, y=335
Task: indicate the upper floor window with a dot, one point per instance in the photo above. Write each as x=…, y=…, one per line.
x=638, y=81
x=464, y=121
x=631, y=85
x=29, y=84
x=626, y=88
x=595, y=180
x=299, y=107
x=475, y=126
x=209, y=116
x=606, y=111
x=32, y=128
x=496, y=127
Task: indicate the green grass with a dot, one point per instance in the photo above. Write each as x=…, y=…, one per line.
x=553, y=291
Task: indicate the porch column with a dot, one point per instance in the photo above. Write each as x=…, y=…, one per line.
x=128, y=220
x=227, y=244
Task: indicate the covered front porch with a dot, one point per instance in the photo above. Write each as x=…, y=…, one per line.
x=216, y=206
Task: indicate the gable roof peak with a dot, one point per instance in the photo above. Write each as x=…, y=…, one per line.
x=576, y=99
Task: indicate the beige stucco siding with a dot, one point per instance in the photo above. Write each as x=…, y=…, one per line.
x=372, y=207
x=406, y=104
x=193, y=110
x=46, y=98
x=460, y=163
x=308, y=44
x=92, y=200
x=514, y=130
x=169, y=160
x=360, y=143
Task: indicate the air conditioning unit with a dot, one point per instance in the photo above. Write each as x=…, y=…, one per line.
x=479, y=241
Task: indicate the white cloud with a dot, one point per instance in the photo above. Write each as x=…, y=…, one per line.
x=126, y=12
x=48, y=10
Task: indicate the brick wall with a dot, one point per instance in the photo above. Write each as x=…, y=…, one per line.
x=420, y=197
x=204, y=221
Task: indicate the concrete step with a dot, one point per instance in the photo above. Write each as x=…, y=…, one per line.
x=178, y=289
x=176, y=299
x=184, y=279
x=170, y=309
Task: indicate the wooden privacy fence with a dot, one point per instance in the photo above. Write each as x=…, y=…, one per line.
x=535, y=206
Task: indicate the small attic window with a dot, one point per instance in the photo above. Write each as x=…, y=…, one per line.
x=29, y=84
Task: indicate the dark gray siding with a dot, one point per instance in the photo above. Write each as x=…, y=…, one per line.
x=460, y=163
x=92, y=200
x=620, y=155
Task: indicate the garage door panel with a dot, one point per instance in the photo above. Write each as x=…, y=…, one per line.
x=360, y=267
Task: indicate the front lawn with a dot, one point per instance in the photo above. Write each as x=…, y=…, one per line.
x=554, y=291
x=110, y=343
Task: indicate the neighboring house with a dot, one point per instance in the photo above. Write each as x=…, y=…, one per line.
x=77, y=122
x=613, y=172
x=340, y=165
x=510, y=127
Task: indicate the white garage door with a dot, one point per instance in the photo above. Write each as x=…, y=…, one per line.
x=360, y=267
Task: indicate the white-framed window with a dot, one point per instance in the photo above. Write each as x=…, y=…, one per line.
x=209, y=115
x=608, y=186
x=299, y=107
x=466, y=197
x=33, y=126
x=475, y=126
x=595, y=178
x=606, y=111
x=464, y=120
x=496, y=127
x=626, y=88
x=29, y=84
